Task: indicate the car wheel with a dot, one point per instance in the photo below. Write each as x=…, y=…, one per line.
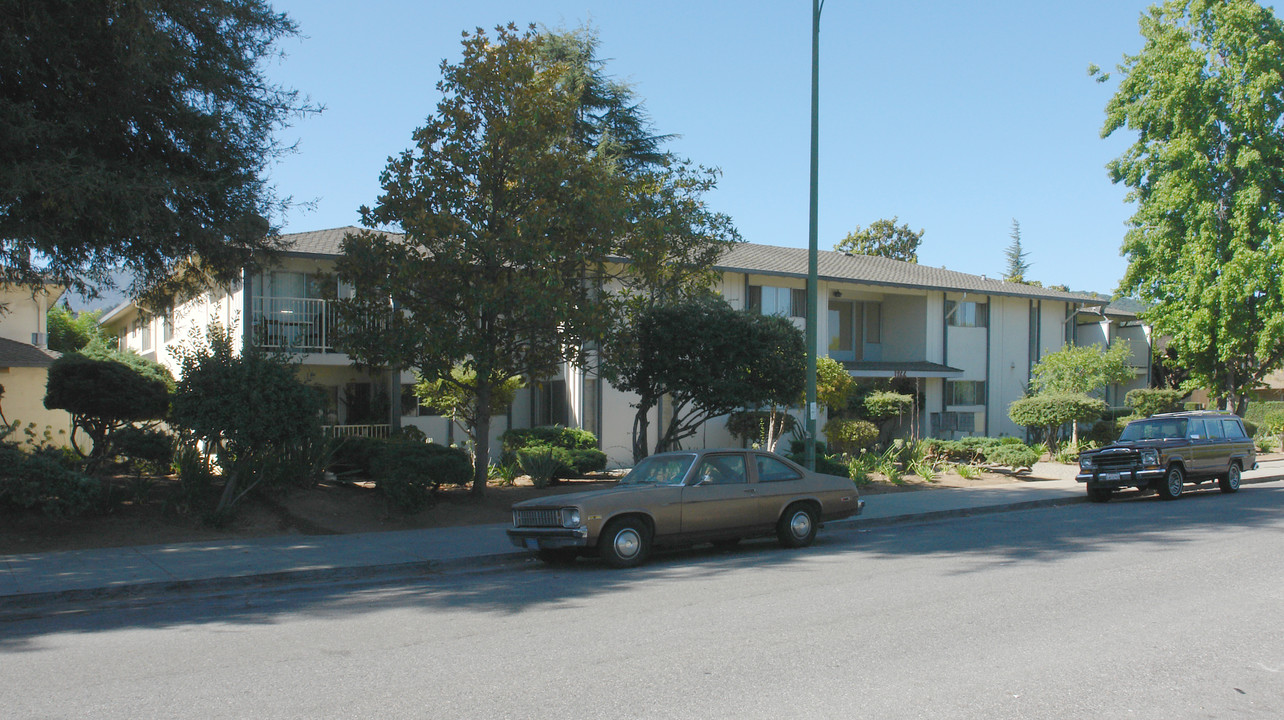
x=1170, y=488
x=1229, y=482
x=558, y=556
x=1100, y=494
x=624, y=543
x=797, y=526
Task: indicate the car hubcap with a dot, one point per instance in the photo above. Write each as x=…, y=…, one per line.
x=800, y=525
x=627, y=543
x=1174, y=483
x=1233, y=477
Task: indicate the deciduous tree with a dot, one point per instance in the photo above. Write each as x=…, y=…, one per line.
x=883, y=238
x=1205, y=99
x=514, y=214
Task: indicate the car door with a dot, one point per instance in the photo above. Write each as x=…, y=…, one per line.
x=1197, y=440
x=778, y=484
x=1216, y=447
x=718, y=496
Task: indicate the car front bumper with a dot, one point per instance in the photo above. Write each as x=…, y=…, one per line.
x=1124, y=478
x=548, y=538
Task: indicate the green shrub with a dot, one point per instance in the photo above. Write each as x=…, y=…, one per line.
x=1013, y=456
x=1152, y=401
x=885, y=404
x=1107, y=431
x=1258, y=410
x=543, y=463
x=583, y=456
x=1266, y=443
x=407, y=473
x=42, y=480
x=149, y=451
x=410, y=433
x=1250, y=428
x=860, y=466
x=966, y=471
x=354, y=455
x=850, y=436
x=1049, y=411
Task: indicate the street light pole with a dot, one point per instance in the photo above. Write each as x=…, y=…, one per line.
x=813, y=281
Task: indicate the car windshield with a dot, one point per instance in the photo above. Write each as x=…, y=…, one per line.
x=660, y=470
x=1154, y=429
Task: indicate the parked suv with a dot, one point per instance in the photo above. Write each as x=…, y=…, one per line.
x=1166, y=451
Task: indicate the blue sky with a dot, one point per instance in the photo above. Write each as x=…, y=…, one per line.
x=956, y=117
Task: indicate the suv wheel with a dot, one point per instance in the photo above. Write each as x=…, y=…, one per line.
x=1229, y=482
x=1170, y=488
x=1100, y=494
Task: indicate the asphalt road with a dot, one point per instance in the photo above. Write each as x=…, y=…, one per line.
x=1134, y=609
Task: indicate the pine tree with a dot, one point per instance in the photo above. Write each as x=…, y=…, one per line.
x=1017, y=265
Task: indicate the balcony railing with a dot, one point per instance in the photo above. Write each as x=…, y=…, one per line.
x=372, y=431
x=295, y=324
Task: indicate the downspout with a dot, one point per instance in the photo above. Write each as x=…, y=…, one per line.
x=247, y=309
x=989, y=324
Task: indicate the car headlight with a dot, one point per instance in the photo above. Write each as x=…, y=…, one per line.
x=570, y=517
x=1085, y=462
x=1150, y=457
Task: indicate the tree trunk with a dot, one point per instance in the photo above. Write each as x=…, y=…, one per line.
x=481, y=436
x=641, y=425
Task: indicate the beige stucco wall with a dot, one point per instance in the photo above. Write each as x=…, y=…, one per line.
x=23, y=402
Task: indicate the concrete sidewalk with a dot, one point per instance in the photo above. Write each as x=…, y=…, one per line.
x=29, y=579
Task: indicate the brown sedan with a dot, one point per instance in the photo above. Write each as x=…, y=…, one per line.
x=686, y=497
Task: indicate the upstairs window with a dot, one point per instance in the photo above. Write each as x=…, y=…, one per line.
x=786, y=302
x=967, y=314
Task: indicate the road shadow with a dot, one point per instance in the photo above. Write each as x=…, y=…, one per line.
x=1044, y=535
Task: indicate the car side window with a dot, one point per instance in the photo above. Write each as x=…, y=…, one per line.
x=722, y=470
x=1234, y=429
x=1214, y=429
x=1195, y=429
x=772, y=470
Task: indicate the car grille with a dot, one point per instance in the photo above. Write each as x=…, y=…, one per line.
x=1115, y=462
x=537, y=518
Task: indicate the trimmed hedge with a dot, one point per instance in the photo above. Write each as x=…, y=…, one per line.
x=850, y=436
x=407, y=473
x=582, y=455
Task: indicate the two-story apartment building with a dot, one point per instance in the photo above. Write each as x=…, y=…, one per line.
x=25, y=358
x=966, y=341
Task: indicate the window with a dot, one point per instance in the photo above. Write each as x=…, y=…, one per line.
x=1214, y=430
x=548, y=403
x=1233, y=429
x=722, y=470
x=167, y=329
x=965, y=392
x=954, y=422
x=967, y=314
x=1195, y=429
x=772, y=470
x=786, y=302
x=146, y=331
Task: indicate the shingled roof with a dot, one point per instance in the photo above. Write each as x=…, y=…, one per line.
x=791, y=262
x=319, y=242
x=870, y=270
x=20, y=354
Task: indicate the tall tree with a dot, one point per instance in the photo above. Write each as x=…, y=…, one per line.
x=1016, y=256
x=136, y=134
x=1205, y=97
x=884, y=239
x=70, y=330
x=513, y=220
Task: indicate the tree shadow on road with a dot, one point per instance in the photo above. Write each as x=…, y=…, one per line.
x=1040, y=536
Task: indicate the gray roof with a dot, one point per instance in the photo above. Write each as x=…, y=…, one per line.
x=870, y=270
x=792, y=262
x=319, y=242
x=20, y=354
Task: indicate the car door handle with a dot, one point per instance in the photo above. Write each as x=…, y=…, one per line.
x=750, y=491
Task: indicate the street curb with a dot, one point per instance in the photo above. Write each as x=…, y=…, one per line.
x=31, y=605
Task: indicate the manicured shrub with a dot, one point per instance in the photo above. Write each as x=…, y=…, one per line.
x=354, y=455
x=799, y=448
x=544, y=463
x=850, y=436
x=1049, y=411
x=1152, y=401
x=582, y=455
x=1013, y=456
x=408, y=473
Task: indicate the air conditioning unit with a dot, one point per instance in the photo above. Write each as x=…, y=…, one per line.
x=39, y=339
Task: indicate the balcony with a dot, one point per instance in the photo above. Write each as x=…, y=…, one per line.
x=304, y=325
